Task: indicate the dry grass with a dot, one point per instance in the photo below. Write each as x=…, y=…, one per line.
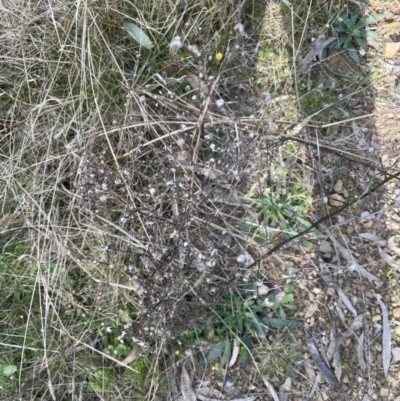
x=123, y=189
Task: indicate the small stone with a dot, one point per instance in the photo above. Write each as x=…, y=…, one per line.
x=384, y=392
x=336, y=200
x=366, y=215
x=396, y=313
x=331, y=291
x=317, y=291
x=369, y=224
x=397, y=330
x=396, y=354
x=338, y=186
x=325, y=247
x=376, y=318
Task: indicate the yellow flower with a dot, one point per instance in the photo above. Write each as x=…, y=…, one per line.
x=177, y=352
x=219, y=56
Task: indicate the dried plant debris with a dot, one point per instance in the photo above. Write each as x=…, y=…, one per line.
x=316, y=356
x=386, y=337
x=346, y=300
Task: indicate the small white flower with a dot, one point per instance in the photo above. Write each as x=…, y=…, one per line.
x=142, y=99
x=241, y=258
x=152, y=191
x=239, y=29
x=108, y=329
x=176, y=44
x=220, y=102
x=103, y=198
x=212, y=146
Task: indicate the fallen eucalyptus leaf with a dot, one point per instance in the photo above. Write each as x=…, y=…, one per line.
x=354, y=264
x=315, y=355
x=138, y=35
x=346, y=300
x=336, y=365
x=130, y=358
x=285, y=389
x=370, y=237
x=360, y=352
x=187, y=376
x=386, y=337
x=332, y=344
x=356, y=324
x=235, y=352
x=311, y=310
x=317, y=50
x=388, y=259
x=203, y=398
x=271, y=390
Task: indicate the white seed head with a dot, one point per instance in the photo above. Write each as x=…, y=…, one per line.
x=176, y=44
x=220, y=102
x=239, y=29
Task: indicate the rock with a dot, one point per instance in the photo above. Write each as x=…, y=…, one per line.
x=376, y=318
x=396, y=313
x=338, y=186
x=331, y=291
x=396, y=354
x=336, y=200
x=384, y=392
x=325, y=247
x=316, y=290
x=366, y=215
x=397, y=330
x=369, y=224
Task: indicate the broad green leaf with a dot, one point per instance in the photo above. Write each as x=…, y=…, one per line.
x=374, y=18
x=354, y=55
x=9, y=370
x=371, y=34
x=215, y=353
x=339, y=28
x=362, y=43
x=287, y=299
x=340, y=42
x=354, y=15
x=226, y=356
x=282, y=313
x=248, y=346
x=347, y=41
x=138, y=35
x=280, y=323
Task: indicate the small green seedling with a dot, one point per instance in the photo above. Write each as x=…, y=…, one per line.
x=352, y=33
